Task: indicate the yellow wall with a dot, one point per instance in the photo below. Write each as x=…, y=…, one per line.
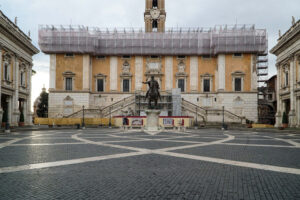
x=242, y=64
x=101, y=66
x=205, y=66
x=74, y=65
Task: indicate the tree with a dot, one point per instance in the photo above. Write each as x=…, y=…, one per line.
x=42, y=108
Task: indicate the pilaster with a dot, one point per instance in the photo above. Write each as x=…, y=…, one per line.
x=28, y=117
x=279, y=102
x=292, y=114
x=113, y=73
x=86, y=72
x=15, y=99
x=194, y=74
x=138, y=73
x=221, y=72
x=52, y=80
x=169, y=73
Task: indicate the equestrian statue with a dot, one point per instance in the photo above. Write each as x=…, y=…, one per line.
x=153, y=92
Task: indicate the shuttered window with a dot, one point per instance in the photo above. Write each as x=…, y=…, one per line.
x=206, y=85
x=238, y=84
x=181, y=84
x=69, y=84
x=126, y=85
x=100, y=85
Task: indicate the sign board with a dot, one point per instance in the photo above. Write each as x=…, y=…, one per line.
x=137, y=122
x=168, y=121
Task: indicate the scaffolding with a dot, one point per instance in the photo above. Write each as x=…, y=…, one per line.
x=131, y=41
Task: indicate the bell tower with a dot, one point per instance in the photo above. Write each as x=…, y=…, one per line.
x=155, y=16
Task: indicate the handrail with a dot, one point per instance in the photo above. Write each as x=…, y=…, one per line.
x=123, y=100
x=207, y=110
x=185, y=101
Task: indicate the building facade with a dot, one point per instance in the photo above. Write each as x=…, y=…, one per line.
x=287, y=51
x=96, y=68
x=16, y=51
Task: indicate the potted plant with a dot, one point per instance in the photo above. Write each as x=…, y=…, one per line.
x=4, y=118
x=21, y=122
x=285, y=120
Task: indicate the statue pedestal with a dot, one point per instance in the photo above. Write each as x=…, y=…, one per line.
x=152, y=120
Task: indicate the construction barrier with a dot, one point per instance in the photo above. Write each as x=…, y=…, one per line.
x=262, y=126
x=73, y=121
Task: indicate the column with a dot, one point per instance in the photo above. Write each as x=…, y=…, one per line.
x=292, y=114
x=138, y=73
x=15, y=99
x=52, y=80
x=27, y=104
x=1, y=110
x=194, y=74
x=113, y=73
x=86, y=71
x=279, y=102
x=169, y=73
x=221, y=72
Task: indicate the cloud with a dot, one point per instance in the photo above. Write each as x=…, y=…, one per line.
x=267, y=14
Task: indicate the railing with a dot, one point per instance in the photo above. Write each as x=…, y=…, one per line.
x=204, y=112
x=104, y=112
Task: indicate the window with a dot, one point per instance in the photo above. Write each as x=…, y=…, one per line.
x=238, y=84
x=181, y=84
x=238, y=55
x=154, y=57
x=100, y=57
x=6, y=72
x=154, y=25
x=126, y=85
x=100, y=85
x=286, y=79
x=181, y=57
x=69, y=55
x=22, y=79
x=206, y=85
x=154, y=4
x=206, y=57
x=69, y=84
x=126, y=57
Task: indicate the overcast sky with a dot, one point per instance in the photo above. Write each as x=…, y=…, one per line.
x=266, y=14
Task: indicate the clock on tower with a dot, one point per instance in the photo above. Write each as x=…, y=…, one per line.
x=155, y=16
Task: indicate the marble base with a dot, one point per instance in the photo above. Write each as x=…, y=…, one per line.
x=152, y=120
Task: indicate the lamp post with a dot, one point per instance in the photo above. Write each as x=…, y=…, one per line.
x=223, y=124
x=83, y=124
x=109, y=117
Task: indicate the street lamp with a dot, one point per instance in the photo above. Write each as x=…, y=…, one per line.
x=109, y=117
x=83, y=124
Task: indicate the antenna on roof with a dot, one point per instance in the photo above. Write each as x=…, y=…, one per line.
x=16, y=20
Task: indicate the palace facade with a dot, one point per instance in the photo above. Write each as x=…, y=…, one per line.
x=287, y=51
x=104, y=69
x=16, y=51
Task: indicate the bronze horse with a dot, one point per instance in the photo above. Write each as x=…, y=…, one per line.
x=153, y=92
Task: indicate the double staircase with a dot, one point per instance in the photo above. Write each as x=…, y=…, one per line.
x=201, y=115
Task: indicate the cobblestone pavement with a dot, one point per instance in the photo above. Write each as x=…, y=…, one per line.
x=111, y=164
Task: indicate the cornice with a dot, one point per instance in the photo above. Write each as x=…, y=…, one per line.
x=11, y=31
x=289, y=37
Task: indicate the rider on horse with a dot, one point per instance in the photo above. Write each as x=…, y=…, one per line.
x=153, y=92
